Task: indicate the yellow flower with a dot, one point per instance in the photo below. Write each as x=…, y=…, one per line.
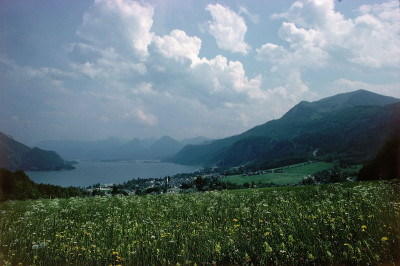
x=346, y=244
x=235, y=220
x=363, y=228
x=236, y=225
x=218, y=248
x=266, y=233
x=385, y=238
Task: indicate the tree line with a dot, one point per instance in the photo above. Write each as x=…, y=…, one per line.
x=18, y=186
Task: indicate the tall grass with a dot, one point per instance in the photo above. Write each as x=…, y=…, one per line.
x=342, y=223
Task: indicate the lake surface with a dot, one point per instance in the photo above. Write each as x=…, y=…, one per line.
x=89, y=173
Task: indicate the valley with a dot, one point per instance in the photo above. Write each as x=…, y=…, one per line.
x=212, y=132
x=296, y=190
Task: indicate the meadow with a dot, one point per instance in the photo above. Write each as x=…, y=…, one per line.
x=291, y=174
x=354, y=223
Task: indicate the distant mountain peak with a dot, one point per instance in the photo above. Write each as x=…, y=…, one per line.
x=166, y=138
x=339, y=101
x=134, y=140
x=164, y=147
x=195, y=140
x=357, y=98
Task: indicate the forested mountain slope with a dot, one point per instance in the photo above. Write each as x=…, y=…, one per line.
x=349, y=126
x=17, y=156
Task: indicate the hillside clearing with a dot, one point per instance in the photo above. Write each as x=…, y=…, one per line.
x=290, y=174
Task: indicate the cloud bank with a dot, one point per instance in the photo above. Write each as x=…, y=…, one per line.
x=122, y=74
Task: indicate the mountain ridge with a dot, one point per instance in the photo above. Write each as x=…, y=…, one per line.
x=295, y=134
x=18, y=156
x=114, y=148
x=343, y=100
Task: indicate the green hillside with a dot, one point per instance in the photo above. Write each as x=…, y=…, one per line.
x=281, y=176
x=17, y=156
x=350, y=127
x=18, y=186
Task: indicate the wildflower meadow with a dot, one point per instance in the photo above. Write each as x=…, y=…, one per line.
x=355, y=223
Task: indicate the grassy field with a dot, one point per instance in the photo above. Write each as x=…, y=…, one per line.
x=353, y=168
x=290, y=174
x=355, y=223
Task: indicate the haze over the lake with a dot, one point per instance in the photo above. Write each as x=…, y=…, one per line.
x=88, y=70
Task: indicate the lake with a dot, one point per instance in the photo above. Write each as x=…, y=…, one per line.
x=89, y=173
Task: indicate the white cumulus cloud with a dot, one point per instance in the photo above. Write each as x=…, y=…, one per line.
x=119, y=23
x=228, y=28
x=227, y=80
x=316, y=36
x=314, y=31
x=178, y=45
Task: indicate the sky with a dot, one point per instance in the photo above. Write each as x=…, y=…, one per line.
x=88, y=70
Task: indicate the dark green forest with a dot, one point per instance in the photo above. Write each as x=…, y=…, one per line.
x=17, y=186
x=385, y=165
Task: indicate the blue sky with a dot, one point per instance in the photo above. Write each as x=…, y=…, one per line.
x=92, y=69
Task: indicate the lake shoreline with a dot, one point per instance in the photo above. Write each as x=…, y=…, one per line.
x=88, y=173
